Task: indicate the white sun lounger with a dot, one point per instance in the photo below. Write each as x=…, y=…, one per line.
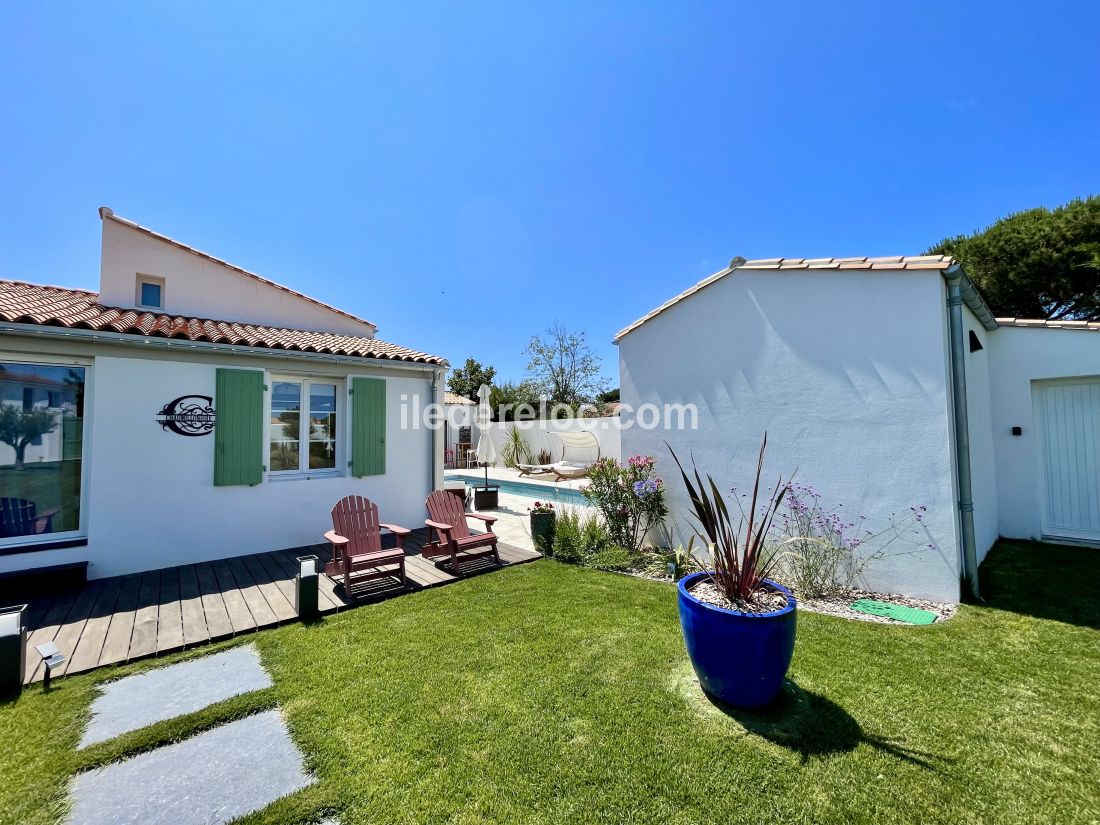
x=566, y=469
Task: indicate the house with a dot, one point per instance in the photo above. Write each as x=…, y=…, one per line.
x=885, y=383
x=192, y=410
x=459, y=414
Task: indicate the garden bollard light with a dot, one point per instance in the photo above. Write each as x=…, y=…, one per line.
x=306, y=585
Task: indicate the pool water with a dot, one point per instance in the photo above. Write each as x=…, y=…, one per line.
x=558, y=495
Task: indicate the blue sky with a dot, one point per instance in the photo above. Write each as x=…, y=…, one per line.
x=465, y=174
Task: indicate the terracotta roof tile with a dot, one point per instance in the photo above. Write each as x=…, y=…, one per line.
x=455, y=398
x=25, y=303
x=1048, y=323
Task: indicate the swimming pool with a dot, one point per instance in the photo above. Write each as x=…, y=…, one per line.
x=558, y=495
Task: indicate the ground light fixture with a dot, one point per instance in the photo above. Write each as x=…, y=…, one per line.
x=13, y=649
x=306, y=585
x=51, y=657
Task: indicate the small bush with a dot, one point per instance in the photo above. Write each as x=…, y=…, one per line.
x=594, y=537
x=578, y=540
x=567, y=546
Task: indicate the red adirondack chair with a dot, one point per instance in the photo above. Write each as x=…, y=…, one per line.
x=453, y=536
x=357, y=544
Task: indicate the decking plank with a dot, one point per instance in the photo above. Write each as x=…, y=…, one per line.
x=94, y=633
x=280, y=606
x=129, y=617
x=426, y=573
x=169, y=616
x=143, y=640
x=218, y=623
x=257, y=604
x=116, y=646
x=68, y=636
x=52, y=620
x=279, y=578
x=191, y=609
x=236, y=606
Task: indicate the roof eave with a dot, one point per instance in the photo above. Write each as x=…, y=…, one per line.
x=181, y=344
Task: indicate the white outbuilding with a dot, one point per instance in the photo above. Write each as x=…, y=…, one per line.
x=885, y=383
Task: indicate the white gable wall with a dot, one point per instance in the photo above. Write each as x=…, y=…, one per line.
x=847, y=373
x=199, y=287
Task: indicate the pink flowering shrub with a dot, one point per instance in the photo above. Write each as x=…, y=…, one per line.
x=630, y=497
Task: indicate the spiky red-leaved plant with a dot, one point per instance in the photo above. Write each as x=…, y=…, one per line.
x=740, y=562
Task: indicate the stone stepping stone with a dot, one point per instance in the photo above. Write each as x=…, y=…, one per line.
x=144, y=698
x=205, y=780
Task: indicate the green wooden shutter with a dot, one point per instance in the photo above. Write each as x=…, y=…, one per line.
x=368, y=427
x=238, y=428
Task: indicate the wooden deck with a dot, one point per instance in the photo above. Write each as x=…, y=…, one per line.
x=124, y=618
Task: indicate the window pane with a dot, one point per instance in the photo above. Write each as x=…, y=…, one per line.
x=41, y=443
x=284, y=455
x=286, y=422
x=322, y=426
x=286, y=395
x=322, y=398
x=322, y=455
x=150, y=295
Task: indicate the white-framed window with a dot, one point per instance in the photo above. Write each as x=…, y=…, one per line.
x=150, y=292
x=43, y=480
x=306, y=429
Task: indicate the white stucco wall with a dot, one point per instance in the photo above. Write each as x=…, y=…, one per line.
x=846, y=373
x=1018, y=357
x=151, y=501
x=983, y=471
x=199, y=287
x=539, y=436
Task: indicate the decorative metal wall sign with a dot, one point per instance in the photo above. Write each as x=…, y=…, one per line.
x=188, y=415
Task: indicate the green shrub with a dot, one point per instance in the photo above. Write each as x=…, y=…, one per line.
x=567, y=545
x=594, y=537
x=577, y=540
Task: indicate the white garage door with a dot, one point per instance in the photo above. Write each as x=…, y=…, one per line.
x=1068, y=414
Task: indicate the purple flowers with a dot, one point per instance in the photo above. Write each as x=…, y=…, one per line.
x=646, y=486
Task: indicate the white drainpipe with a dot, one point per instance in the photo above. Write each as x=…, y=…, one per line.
x=957, y=284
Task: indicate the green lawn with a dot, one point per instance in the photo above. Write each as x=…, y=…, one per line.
x=547, y=693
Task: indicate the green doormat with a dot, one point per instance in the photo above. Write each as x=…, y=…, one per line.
x=897, y=612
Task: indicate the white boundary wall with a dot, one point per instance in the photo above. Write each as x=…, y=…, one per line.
x=539, y=436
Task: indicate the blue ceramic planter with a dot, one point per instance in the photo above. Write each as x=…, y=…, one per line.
x=740, y=658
